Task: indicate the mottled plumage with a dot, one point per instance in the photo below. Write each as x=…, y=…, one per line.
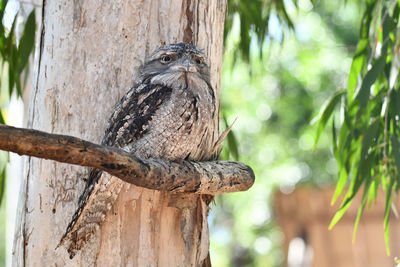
x=169, y=113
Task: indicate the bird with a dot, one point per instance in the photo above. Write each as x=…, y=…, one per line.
x=171, y=112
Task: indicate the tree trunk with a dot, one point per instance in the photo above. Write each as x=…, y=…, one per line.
x=87, y=57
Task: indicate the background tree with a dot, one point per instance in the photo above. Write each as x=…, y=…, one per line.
x=86, y=60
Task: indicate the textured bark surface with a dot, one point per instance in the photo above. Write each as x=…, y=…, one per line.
x=87, y=57
x=207, y=177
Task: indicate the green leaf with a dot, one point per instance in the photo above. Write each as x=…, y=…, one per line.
x=232, y=142
x=388, y=201
x=281, y=7
x=339, y=186
x=334, y=141
x=2, y=121
x=11, y=81
x=356, y=182
x=2, y=185
x=224, y=154
x=396, y=152
x=395, y=102
x=357, y=64
x=361, y=208
x=360, y=56
x=26, y=43
x=364, y=175
x=10, y=51
x=363, y=170
x=245, y=38
x=233, y=146
x=345, y=135
x=326, y=114
x=373, y=192
x=369, y=80
x=385, y=31
x=3, y=5
x=339, y=214
x=370, y=135
x=11, y=36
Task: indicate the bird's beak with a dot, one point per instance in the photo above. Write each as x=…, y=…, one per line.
x=189, y=66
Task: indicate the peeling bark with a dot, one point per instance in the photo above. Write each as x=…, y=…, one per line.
x=87, y=56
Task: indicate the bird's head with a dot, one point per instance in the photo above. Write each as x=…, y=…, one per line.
x=177, y=59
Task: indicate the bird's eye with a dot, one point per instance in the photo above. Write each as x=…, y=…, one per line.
x=199, y=60
x=166, y=58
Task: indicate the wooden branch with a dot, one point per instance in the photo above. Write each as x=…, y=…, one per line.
x=207, y=177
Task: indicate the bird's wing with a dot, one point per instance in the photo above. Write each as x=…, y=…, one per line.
x=127, y=124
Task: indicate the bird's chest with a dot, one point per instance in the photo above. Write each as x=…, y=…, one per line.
x=182, y=128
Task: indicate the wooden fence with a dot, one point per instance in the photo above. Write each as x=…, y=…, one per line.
x=304, y=216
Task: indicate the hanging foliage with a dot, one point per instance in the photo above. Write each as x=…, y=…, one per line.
x=254, y=17
x=366, y=137
x=14, y=57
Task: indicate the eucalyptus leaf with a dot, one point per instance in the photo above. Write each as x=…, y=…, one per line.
x=232, y=142
x=26, y=43
x=326, y=114
x=2, y=185
x=361, y=208
x=369, y=80
x=388, y=202
x=2, y=121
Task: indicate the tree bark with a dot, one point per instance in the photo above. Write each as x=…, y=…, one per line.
x=87, y=57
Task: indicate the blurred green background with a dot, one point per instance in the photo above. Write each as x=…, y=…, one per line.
x=275, y=97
